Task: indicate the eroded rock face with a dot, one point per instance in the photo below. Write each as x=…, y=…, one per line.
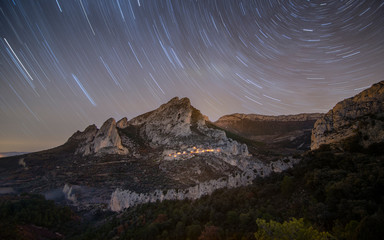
x=178, y=123
x=122, y=199
x=362, y=114
x=122, y=123
x=173, y=119
x=173, y=125
x=87, y=135
x=106, y=140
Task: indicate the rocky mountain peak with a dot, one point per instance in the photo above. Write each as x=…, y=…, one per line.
x=172, y=119
x=88, y=133
x=122, y=123
x=174, y=125
x=177, y=109
x=361, y=115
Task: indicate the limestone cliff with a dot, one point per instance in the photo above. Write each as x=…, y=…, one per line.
x=106, y=140
x=173, y=125
x=122, y=199
x=173, y=119
x=360, y=116
x=178, y=124
x=122, y=123
x=87, y=135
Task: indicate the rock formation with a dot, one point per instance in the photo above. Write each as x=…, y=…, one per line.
x=87, y=135
x=173, y=119
x=173, y=125
x=106, y=140
x=177, y=123
x=122, y=123
x=122, y=199
x=360, y=116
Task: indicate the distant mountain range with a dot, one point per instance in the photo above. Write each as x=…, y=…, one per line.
x=9, y=154
x=175, y=152
x=290, y=131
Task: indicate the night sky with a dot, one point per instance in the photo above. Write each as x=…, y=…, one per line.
x=66, y=64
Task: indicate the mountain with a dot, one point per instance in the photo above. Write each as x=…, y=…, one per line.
x=175, y=153
x=175, y=124
x=358, y=120
x=286, y=131
x=9, y=154
x=172, y=152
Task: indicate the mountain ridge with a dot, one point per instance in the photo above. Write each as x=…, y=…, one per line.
x=173, y=152
x=360, y=117
x=283, y=131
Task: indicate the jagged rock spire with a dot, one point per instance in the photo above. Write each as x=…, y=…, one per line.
x=106, y=140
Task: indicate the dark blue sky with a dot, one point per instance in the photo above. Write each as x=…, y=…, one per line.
x=67, y=64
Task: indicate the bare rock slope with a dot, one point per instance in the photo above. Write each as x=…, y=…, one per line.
x=105, y=140
x=173, y=119
x=360, y=117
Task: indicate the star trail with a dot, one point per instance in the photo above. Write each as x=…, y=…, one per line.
x=67, y=64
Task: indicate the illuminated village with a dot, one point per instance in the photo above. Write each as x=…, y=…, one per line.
x=188, y=153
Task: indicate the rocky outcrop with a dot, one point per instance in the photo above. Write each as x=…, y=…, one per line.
x=87, y=135
x=106, y=140
x=122, y=199
x=361, y=116
x=173, y=125
x=177, y=123
x=122, y=123
x=173, y=119
x=68, y=193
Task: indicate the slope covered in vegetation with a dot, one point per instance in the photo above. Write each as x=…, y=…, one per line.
x=332, y=195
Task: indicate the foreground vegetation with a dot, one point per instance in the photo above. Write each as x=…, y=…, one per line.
x=29, y=216
x=329, y=195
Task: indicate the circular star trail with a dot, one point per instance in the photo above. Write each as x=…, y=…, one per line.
x=67, y=64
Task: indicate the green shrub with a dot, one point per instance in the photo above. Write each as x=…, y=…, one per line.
x=295, y=229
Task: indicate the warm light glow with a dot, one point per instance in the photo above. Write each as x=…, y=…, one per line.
x=197, y=151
